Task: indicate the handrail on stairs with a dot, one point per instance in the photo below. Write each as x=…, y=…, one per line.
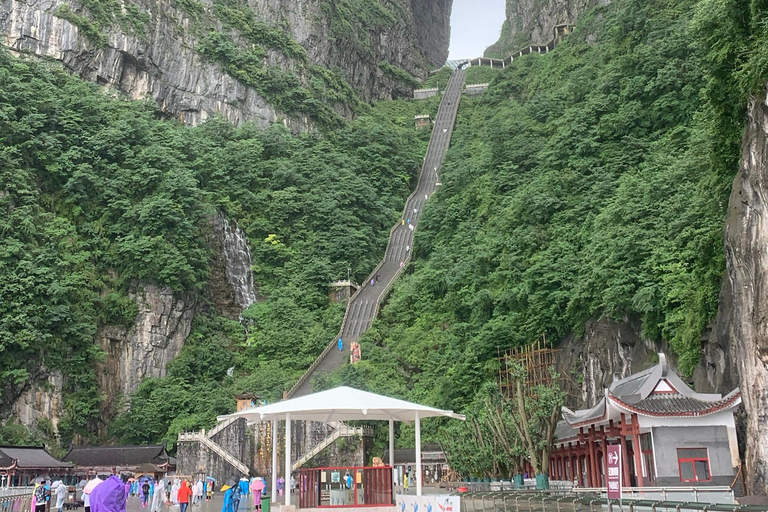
x=307, y=374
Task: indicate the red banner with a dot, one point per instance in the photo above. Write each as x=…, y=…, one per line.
x=613, y=479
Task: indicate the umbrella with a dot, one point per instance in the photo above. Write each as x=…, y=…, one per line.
x=210, y=478
x=231, y=482
x=258, y=485
x=39, y=480
x=88, y=489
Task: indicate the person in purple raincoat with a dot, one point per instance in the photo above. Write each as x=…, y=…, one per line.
x=109, y=496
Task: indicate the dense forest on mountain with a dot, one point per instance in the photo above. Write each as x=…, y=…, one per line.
x=590, y=181
x=100, y=193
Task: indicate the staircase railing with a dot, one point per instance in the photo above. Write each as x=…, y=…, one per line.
x=216, y=448
x=220, y=426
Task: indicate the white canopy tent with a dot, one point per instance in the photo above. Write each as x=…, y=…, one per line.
x=340, y=404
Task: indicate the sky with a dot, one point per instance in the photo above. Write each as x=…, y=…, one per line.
x=475, y=25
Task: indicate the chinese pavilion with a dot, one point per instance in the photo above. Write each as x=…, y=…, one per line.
x=669, y=434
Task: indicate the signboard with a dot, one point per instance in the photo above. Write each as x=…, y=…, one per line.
x=431, y=503
x=613, y=479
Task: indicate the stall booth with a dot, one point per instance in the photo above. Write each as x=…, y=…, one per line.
x=371, y=486
x=345, y=487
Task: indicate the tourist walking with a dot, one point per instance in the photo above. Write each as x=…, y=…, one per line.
x=145, y=493
x=257, y=485
x=61, y=494
x=159, y=496
x=184, y=495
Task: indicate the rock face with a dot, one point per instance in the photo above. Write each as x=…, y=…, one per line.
x=533, y=22
x=588, y=363
x=155, y=338
x=41, y=403
x=742, y=322
x=164, y=65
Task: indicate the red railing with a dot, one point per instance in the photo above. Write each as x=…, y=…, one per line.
x=351, y=486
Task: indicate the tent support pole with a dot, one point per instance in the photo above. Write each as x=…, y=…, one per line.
x=418, y=454
x=274, y=460
x=392, y=447
x=287, y=460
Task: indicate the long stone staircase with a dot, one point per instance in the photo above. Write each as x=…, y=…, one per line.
x=364, y=305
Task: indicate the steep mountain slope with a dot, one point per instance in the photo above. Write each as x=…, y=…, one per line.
x=259, y=61
x=109, y=250
x=584, y=197
x=533, y=22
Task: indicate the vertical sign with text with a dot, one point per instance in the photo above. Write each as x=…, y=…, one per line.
x=613, y=480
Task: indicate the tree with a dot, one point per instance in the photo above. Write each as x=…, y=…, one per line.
x=536, y=411
x=486, y=444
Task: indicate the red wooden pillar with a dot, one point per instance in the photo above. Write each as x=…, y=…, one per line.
x=580, y=469
x=593, y=480
x=637, y=450
x=605, y=454
x=624, y=453
x=573, y=467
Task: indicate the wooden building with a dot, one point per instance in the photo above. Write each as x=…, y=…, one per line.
x=19, y=465
x=116, y=460
x=669, y=434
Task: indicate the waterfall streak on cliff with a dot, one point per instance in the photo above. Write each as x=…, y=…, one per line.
x=238, y=261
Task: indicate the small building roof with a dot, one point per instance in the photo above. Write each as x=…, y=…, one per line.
x=341, y=404
x=656, y=391
x=116, y=455
x=422, y=116
x=29, y=457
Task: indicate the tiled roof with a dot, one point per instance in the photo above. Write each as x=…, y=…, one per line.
x=31, y=457
x=584, y=415
x=675, y=404
x=564, y=431
x=133, y=455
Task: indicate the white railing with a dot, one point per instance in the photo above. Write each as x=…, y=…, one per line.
x=340, y=430
x=220, y=426
x=216, y=448
x=702, y=494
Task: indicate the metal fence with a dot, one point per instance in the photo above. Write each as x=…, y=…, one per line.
x=522, y=501
x=16, y=491
x=16, y=502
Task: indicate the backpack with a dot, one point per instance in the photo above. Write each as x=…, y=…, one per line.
x=40, y=494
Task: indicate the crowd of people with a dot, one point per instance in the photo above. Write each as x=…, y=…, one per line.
x=112, y=494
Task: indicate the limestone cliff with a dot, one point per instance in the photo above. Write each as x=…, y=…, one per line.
x=155, y=338
x=588, y=362
x=742, y=322
x=164, y=49
x=533, y=22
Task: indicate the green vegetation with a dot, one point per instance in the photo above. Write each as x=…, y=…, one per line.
x=103, y=14
x=588, y=182
x=100, y=195
x=351, y=22
x=90, y=29
x=399, y=73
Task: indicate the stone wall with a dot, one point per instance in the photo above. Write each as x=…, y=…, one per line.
x=235, y=439
x=155, y=338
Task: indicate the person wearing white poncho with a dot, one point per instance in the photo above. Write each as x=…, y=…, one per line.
x=158, y=497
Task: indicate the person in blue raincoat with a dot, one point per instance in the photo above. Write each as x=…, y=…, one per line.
x=231, y=496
